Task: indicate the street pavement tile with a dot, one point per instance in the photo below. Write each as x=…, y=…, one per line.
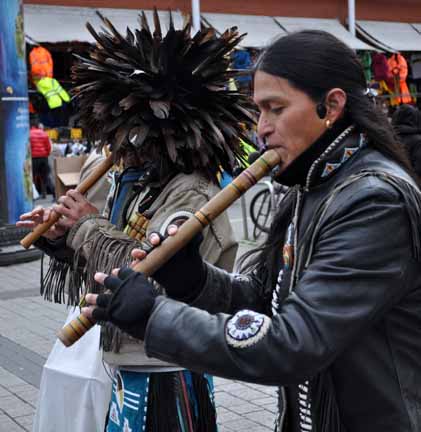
x=225, y=415
x=14, y=406
x=243, y=424
x=26, y=392
x=4, y=391
x=21, y=361
x=8, y=425
x=222, y=381
x=247, y=393
x=266, y=400
x=7, y=379
x=265, y=418
x=272, y=407
x=245, y=408
x=227, y=400
x=224, y=429
x=232, y=387
x=26, y=421
x=270, y=390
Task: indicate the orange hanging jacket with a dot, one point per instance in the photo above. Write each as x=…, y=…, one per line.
x=399, y=69
x=41, y=63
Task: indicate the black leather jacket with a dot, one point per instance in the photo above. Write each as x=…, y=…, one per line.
x=349, y=328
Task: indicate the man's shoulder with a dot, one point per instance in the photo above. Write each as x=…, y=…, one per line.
x=376, y=164
x=376, y=179
x=194, y=182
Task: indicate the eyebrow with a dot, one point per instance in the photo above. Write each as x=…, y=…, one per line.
x=268, y=99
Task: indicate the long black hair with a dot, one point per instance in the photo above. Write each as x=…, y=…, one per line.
x=315, y=62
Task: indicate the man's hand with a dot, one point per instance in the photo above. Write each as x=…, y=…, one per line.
x=38, y=216
x=73, y=206
x=184, y=275
x=155, y=240
x=128, y=303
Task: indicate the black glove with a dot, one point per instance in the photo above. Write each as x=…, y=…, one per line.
x=184, y=275
x=130, y=303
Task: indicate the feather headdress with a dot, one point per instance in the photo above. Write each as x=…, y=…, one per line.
x=166, y=97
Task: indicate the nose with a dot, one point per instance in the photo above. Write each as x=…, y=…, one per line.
x=264, y=127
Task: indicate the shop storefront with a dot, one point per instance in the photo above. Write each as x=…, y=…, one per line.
x=376, y=41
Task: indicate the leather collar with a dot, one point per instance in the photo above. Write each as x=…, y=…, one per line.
x=324, y=157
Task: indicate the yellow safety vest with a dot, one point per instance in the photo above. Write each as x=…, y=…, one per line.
x=51, y=89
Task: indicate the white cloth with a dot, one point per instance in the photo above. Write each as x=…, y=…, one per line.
x=75, y=389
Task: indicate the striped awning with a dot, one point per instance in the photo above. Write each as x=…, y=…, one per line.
x=332, y=26
x=64, y=24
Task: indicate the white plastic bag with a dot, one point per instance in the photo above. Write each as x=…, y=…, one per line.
x=35, y=194
x=75, y=389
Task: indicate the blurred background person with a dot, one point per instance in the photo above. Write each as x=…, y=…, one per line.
x=406, y=121
x=41, y=149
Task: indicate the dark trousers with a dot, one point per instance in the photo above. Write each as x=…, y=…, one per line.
x=41, y=175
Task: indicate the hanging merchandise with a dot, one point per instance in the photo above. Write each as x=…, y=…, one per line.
x=51, y=89
x=381, y=72
x=242, y=60
x=384, y=88
x=413, y=90
x=380, y=67
x=399, y=69
x=366, y=61
x=41, y=63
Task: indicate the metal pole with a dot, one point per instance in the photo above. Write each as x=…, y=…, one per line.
x=195, y=13
x=351, y=16
x=244, y=213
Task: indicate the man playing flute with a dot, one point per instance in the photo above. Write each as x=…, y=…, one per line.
x=163, y=103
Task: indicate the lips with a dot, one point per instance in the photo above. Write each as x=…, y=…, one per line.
x=273, y=147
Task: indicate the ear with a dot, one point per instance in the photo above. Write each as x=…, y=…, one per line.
x=335, y=101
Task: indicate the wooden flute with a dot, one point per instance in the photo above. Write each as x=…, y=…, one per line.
x=83, y=187
x=74, y=330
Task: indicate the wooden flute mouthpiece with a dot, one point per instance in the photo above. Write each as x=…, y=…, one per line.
x=71, y=332
x=83, y=187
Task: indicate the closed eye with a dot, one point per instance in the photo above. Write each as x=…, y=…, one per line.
x=277, y=110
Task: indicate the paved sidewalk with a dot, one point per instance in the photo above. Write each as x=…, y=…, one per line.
x=28, y=327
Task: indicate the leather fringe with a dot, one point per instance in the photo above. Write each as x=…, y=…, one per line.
x=180, y=402
x=325, y=404
x=162, y=406
x=59, y=275
x=112, y=253
x=206, y=417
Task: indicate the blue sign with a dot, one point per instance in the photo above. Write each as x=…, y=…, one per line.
x=15, y=153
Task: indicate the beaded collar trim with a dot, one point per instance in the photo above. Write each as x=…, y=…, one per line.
x=333, y=146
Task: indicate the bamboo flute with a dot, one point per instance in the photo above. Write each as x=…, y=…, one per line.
x=83, y=187
x=74, y=330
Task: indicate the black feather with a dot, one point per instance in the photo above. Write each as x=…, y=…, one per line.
x=165, y=96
